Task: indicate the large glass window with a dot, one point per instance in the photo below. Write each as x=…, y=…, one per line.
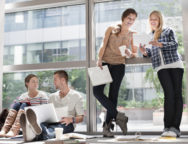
x=49, y=35
x=140, y=95
x=58, y=34
x=13, y=87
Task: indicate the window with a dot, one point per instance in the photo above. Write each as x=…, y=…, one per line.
x=52, y=17
x=49, y=34
x=45, y=35
x=15, y=21
x=138, y=91
x=13, y=86
x=34, y=53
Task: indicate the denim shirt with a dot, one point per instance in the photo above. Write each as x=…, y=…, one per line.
x=169, y=49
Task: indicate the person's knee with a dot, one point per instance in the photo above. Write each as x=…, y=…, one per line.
x=97, y=92
x=16, y=106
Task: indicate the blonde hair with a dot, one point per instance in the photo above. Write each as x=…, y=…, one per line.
x=158, y=31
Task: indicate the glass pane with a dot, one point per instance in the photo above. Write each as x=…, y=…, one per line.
x=47, y=27
x=35, y=19
x=16, y=21
x=140, y=95
x=15, y=54
x=52, y=17
x=34, y=53
x=13, y=86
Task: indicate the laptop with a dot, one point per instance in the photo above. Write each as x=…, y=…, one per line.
x=48, y=113
x=98, y=76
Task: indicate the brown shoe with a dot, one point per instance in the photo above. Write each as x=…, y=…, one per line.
x=107, y=129
x=122, y=120
x=32, y=118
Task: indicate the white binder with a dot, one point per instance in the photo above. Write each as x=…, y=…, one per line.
x=98, y=76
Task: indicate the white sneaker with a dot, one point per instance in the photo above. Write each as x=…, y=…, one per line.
x=165, y=134
x=176, y=131
x=28, y=133
x=171, y=134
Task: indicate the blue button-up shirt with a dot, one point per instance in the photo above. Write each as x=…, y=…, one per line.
x=169, y=49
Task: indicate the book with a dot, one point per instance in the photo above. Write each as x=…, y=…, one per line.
x=48, y=113
x=99, y=76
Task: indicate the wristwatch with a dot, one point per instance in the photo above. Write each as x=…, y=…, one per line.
x=73, y=120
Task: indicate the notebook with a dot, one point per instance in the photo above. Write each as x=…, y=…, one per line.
x=48, y=113
x=98, y=76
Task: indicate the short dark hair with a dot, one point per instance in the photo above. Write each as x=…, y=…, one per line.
x=127, y=12
x=28, y=78
x=62, y=74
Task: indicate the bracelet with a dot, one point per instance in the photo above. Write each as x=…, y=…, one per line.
x=73, y=120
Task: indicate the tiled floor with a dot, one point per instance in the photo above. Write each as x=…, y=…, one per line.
x=99, y=140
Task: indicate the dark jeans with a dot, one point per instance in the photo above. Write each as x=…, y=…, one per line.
x=48, y=130
x=18, y=105
x=110, y=103
x=171, y=81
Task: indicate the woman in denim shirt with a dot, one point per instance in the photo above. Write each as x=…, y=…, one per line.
x=167, y=62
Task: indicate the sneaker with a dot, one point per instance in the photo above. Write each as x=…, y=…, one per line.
x=165, y=132
x=28, y=133
x=176, y=131
x=171, y=134
x=32, y=118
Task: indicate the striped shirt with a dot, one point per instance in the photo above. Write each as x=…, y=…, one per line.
x=41, y=98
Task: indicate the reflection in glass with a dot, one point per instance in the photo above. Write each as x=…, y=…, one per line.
x=34, y=53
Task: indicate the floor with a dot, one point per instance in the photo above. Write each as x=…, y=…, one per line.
x=97, y=139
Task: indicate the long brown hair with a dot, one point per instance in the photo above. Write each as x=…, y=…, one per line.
x=28, y=78
x=127, y=12
x=159, y=30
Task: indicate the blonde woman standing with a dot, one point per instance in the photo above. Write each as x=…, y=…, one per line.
x=167, y=62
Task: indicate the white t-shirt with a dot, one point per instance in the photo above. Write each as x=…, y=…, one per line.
x=41, y=98
x=73, y=100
